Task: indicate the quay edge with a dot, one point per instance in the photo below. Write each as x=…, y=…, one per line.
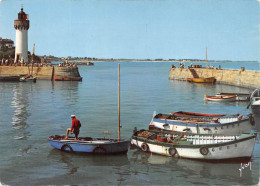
x=241, y=78
x=41, y=73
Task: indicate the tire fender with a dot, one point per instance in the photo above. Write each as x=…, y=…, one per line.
x=204, y=150
x=99, y=150
x=172, y=151
x=65, y=146
x=145, y=147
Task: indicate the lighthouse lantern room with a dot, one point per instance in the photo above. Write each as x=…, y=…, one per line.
x=21, y=26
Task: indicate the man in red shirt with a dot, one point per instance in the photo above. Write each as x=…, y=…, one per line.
x=75, y=126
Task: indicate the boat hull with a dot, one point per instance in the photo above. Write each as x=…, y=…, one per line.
x=9, y=78
x=90, y=145
x=60, y=78
x=220, y=98
x=207, y=148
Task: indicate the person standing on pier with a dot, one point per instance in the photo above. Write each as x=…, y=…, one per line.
x=75, y=126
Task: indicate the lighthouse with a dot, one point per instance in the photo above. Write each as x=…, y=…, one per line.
x=21, y=26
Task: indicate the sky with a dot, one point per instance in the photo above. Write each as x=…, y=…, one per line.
x=139, y=29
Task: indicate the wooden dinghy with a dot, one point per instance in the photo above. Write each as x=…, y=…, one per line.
x=61, y=78
x=226, y=124
x=221, y=98
x=89, y=145
x=203, y=147
x=239, y=96
x=202, y=80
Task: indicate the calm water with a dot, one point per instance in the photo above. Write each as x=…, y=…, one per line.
x=33, y=112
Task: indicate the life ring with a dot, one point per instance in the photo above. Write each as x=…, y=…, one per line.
x=66, y=147
x=145, y=147
x=99, y=150
x=204, y=150
x=252, y=119
x=172, y=151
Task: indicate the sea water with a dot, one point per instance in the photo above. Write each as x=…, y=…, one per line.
x=31, y=112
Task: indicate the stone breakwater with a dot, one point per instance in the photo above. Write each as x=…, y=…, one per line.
x=41, y=73
x=241, y=78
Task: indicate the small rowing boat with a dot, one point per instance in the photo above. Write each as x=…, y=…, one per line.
x=222, y=124
x=61, y=78
x=202, y=80
x=221, y=98
x=89, y=145
x=239, y=96
x=203, y=147
x=28, y=78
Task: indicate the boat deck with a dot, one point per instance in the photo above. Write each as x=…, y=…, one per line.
x=181, y=139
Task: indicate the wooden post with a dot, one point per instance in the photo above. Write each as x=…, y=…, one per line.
x=119, y=102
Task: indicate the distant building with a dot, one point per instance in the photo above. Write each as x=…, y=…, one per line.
x=6, y=43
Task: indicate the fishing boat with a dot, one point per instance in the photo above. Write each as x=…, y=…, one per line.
x=226, y=124
x=93, y=145
x=202, y=80
x=221, y=98
x=202, y=147
x=197, y=79
x=61, y=78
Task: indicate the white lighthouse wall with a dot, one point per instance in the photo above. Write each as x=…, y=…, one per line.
x=21, y=48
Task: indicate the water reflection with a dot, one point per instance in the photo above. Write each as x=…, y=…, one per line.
x=73, y=161
x=195, y=169
x=20, y=105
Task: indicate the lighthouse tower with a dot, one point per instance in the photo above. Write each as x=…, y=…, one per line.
x=21, y=26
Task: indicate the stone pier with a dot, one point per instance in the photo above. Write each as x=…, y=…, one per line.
x=241, y=78
x=41, y=73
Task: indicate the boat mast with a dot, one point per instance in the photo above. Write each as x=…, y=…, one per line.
x=33, y=57
x=206, y=58
x=119, y=102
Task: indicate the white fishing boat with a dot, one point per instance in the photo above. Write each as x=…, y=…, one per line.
x=203, y=147
x=221, y=98
x=196, y=124
x=94, y=145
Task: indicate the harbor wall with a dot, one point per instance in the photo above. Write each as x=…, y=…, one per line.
x=241, y=78
x=41, y=73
